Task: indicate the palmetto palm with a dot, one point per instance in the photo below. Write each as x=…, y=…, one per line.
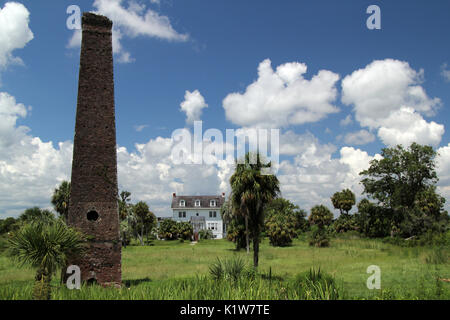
x=45, y=246
x=60, y=199
x=251, y=192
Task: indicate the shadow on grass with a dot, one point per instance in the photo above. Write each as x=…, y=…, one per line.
x=135, y=282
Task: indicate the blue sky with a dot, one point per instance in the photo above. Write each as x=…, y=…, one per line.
x=216, y=47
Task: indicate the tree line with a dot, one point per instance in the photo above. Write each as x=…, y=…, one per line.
x=401, y=203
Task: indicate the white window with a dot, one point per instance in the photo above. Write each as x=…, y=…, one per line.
x=182, y=214
x=197, y=203
x=214, y=214
x=212, y=203
x=212, y=226
x=182, y=203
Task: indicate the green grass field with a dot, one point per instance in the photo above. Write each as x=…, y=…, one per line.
x=174, y=270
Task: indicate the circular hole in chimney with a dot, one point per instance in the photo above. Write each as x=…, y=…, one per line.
x=92, y=215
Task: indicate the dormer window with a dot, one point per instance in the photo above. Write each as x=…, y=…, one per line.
x=182, y=203
x=197, y=203
x=212, y=203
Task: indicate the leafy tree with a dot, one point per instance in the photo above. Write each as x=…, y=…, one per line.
x=403, y=183
x=281, y=206
x=144, y=217
x=427, y=215
x=301, y=223
x=36, y=214
x=125, y=230
x=61, y=198
x=185, y=230
x=397, y=179
x=320, y=218
x=344, y=223
x=372, y=220
x=319, y=236
x=251, y=192
x=8, y=225
x=280, y=229
x=45, y=246
x=124, y=204
x=344, y=200
x=168, y=229
x=235, y=224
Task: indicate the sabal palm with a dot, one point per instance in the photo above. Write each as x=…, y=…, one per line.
x=61, y=198
x=45, y=246
x=251, y=192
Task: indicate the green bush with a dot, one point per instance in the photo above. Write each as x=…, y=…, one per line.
x=236, y=232
x=319, y=237
x=344, y=223
x=320, y=218
x=316, y=285
x=168, y=230
x=229, y=269
x=185, y=230
x=205, y=234
x=280, y=229
x=373, y=221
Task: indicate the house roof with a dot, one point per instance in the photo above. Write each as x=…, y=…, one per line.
x=190, y=202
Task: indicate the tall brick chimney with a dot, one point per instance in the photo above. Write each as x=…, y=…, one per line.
x=93, y=199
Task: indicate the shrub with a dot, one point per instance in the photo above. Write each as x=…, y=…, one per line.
x=280, y=229
x=344, y=223
x=185, y=230
x=168, y=230
x=236, y=232
x=319, y=237
x=205, y=234
x=316, y=285
x=373, y=221
x=230, y=269
x=320, y=218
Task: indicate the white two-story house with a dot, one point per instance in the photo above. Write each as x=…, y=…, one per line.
x=203, y=212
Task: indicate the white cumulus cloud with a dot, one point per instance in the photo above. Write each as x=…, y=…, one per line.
x=133, y=20
x=14, y=31
x=405, y=126
x=283, y=97
x=193, y=105
x=386, y=95
x=359, y=137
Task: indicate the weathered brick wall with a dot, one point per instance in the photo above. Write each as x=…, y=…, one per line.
x=93, y=200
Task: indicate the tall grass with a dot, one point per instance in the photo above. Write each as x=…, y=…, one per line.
x=173, y=270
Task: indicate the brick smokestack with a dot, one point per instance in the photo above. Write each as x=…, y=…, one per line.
x=93, y=205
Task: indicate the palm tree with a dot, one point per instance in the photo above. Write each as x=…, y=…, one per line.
x=124, y=204
x=251, y=192
x=45, y=246
x=60, y=199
